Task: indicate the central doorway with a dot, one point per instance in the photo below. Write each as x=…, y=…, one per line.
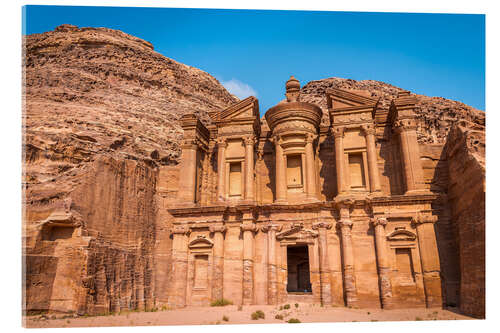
x=298, y=269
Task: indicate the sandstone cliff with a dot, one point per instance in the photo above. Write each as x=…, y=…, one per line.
x=101, y=111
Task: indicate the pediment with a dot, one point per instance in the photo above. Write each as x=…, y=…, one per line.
x=401, y=235
x=247, y=108
x=200, y=243
x=340, y=99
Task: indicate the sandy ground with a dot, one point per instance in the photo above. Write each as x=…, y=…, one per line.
x=234, y=315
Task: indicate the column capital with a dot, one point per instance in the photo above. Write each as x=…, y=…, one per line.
x=322, y=225
x=248, y=227
x=249, y=140
x=276, y=139
x=221, y=142
x=310, y=137
x=368, y=129
x=180, y=230
x=271, y=227
x=190, y=143
x=345, y=223
x=407, y=124
x=423, y=218
x=379, y=221
x=217, y=228
x=338, y=131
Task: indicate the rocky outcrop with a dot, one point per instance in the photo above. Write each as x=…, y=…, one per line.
x=100, y=119
x=466, y=192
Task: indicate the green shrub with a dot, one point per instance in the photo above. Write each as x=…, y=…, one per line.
x=221, y=302
x=296, y=305
x=278, y=316
x=254, y=316
x=286, y=307
x=293, y=321
x=260, y=314
x=418, y=319
x=225, y=318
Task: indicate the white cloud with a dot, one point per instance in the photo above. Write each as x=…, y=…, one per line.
x=239, y=89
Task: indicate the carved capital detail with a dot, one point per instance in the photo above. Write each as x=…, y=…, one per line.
x=310, y=138
x=379, y=221
x=345, y=223
x=248, y=227
x=190, y=143
x=217, y=228
x=321, y=225
x=271, y=227
x=249, y=140
x=338, y=131
x=368, y=129
x=404, y=125
x=221, y=142
x=424, y=218
x=181, y=230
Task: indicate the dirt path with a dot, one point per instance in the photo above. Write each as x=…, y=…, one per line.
x=214, y=315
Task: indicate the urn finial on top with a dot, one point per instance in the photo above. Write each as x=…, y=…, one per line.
x=292, y=89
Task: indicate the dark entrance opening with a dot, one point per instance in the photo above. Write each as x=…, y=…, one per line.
x=298, y=269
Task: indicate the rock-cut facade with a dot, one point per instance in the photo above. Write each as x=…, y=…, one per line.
x=302, y=206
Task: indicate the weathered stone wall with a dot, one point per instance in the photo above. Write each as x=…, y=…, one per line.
x=104, y=263
x=466, y=194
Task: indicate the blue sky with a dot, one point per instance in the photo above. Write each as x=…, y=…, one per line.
x=255, y=52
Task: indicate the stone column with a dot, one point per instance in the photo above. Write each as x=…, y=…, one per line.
x=187, y=188
x=249, y=169
x=429, y=257
x=324, y=270
x=221, y=169
x=383, y=267
x=218, y=261
x=179, y=265
x=411, y=156
x=338, y=133
x=310, y=169
x=371, y=152
x=280, y=172
x=272, y=290
x=248, y=230
x=345, y=225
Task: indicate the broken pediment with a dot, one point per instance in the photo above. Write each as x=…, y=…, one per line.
x=243, y=110
x=341, y=99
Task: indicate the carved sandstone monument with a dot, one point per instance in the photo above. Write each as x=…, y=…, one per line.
x=347, y=193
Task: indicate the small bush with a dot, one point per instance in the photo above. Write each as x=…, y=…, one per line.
x=278, y=316
x=374, y=320
x=296, y=305
x=257, y=315
x=221, y=302
x=286, y=307
x=418, y=319
x=225, y=318
x=368, y=312
x=281, y=307
x=293, y=321
x=254, y=316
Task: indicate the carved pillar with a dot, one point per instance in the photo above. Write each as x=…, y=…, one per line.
x=187, y=188
x=221, y=169
x=205, y=191
x=345, y=225
x=218, y=261
x=179, y=269
x=411, y=157
x=383, y=267
x=248, y=230
x=338, y=133
x=310, y=169
x=429, y=257
x=280, y=172
x=249, y=168
x=272, y=290
x=324, y=270
x=371, y=152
